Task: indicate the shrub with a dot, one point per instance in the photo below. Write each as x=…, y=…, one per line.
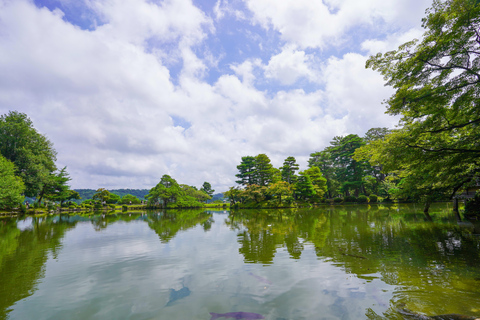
x=338, y=200
x=362, y=199
x=350, y=199
x=124, y=207
x=373, y=198
x=111, y=205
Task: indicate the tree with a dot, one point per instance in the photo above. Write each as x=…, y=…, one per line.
x=129, y=199
x=167, y=190
x=102, y=194
x=11, y=186
x=207, y=188
x=348, y=171
x=199, y=195
x=57, y=189
x=247, y=170
x=281, y=190
x=436, y=81
x=264, y=173
x=304, y=188
x=374, y=178
x=234, y=195
x=318, y=181
x=31, y=152
x=323, y=160
x=288, y=169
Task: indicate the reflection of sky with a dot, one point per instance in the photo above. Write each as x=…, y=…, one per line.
x=124, y=271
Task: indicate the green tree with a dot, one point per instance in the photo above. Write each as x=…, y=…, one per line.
x=234, y=194
x=323, y=160
x=129, y=199
x=102, y=195
x=436, y=81
x=31, y=152
x=265, y=172
x=348, y=171
x=167, y=190
x=288, y=169
x=304, y=188
x=247, y=171
x=57, y=189
x=207, y=188
x=319, y=182
x=11, y=186
x=199, y=195
x=281, y=190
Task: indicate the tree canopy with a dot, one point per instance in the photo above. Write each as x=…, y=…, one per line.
x=31, y=152
x=437, y=93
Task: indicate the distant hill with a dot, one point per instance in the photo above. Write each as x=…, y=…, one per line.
x=217, y=196
x=139, y=193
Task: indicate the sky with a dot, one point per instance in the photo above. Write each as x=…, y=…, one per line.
x=130, y=90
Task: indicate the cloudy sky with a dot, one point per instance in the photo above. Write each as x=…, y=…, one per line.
x=130, y=90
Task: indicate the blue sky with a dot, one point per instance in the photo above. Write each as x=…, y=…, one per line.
x=129, y=90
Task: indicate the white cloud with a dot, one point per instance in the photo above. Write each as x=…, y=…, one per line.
x=309, y=23
x=290, y=65
x=120, y=116
x=373, y=46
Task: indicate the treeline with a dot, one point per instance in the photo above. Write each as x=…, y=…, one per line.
x=86, y=194
x=262, y=185
x=332, y=173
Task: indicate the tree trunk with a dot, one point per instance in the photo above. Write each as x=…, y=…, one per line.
x=425, y=210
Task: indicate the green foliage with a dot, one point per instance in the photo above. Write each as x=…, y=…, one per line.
x=11, y=187
x=362, y=199
x=128, y=198
x=304, y=188
x=337, y=200
x=199, y=195
x=372, y=198
x=256, y=170
x=207, y=188
x=288, y=170
x=436, y=80
x=31, y=152
x=102, y=195
x=247, y=171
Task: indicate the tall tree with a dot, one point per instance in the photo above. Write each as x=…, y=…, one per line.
x=31, y=152
x=323, y=160
x=264, y=173
x=207, y=188
x=319, y=182
x=247, y=171
x=304, y=189
x=348, y=171
x=436, y=81
x=288, y=169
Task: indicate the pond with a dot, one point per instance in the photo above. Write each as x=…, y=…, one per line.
x=332, y=262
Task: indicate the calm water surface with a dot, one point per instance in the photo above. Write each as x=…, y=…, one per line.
x=345, y=262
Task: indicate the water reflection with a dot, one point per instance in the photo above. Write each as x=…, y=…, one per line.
x=23, y=254
x=434, y=263
x=357, y=262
